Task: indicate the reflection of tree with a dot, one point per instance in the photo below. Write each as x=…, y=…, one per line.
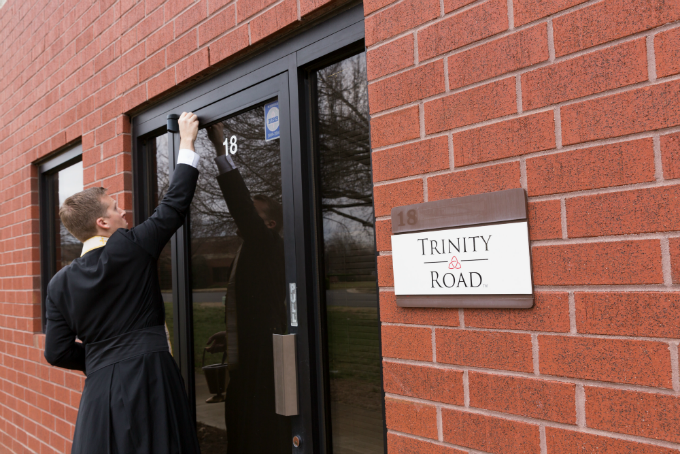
x=344, y=151
x=258, y=161
x=213, y=231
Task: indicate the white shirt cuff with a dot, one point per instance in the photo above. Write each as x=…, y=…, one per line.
x=188, y=157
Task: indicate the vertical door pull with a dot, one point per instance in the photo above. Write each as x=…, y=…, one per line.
x=285, y=374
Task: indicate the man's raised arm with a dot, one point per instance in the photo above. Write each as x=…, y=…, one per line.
x=154, y=233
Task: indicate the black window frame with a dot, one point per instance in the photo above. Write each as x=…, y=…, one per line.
x=48, y=211
x=330, y=39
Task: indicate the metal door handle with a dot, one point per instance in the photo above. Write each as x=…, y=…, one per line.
x=285, y=374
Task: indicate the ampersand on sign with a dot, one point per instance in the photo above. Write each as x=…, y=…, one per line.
x=454, y=264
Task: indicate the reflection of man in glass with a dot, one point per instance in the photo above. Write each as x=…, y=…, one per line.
x=255, y=310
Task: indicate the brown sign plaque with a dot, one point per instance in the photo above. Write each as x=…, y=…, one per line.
x=477, y=210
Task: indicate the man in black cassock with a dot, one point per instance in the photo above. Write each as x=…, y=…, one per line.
x=256, y=309
x=134, y=399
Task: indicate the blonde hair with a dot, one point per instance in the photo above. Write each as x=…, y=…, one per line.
x=79, y=213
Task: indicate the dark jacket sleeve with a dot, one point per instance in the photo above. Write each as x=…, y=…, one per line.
x=154, y=233
x=61, y=348
x=241, y=207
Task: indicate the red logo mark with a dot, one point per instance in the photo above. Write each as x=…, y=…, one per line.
x=454, y=264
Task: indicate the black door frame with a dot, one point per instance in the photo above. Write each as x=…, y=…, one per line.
x=290, y=61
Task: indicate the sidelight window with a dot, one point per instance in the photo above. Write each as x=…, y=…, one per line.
x=60, y=178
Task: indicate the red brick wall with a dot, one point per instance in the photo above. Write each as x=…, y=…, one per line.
x=577, y=102
x=75, y=70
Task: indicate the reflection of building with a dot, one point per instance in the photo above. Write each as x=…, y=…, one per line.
x=212, y=260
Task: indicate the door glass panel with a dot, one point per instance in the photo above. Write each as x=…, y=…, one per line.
x=238, y=287
x=69, y=181
x=349, y=265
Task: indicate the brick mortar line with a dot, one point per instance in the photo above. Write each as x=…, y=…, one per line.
x=440, y=426
x=535, y=421
x=563, y=218
x=586, y=288
x=658, y=160
x=412, y=177
x=17, y=23
x=589, y=240
x=551, y=41
x=674, y=366
x=466, y=388
x=27, y=55
x=196, y=26
x=667, y=340
x=602, y=191
x=608, y=239
x=572, y=314
x=565, y=12
x=542, y=439
x=527, y=69
x=451, y=13
x=666, y=266
x=534, y=354
x=580, y=400
x=651, y=57
x=26, y=415
x=466, y=8
x=434, y=346
x=435, y=442
x=549, y=62
x=526, y=113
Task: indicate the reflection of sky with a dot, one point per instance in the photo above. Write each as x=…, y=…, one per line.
x=70, y=181
x=336, y=225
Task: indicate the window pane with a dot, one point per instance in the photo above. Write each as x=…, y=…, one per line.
x=69, y=181
x=349, y=257
x=238, y=287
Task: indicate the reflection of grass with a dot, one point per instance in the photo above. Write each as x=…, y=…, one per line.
x=207, y=321
x=354, y=343
x=353, y=339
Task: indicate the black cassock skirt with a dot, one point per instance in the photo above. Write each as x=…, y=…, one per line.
x=134, y=405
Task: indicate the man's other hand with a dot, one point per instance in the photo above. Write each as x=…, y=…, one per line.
x=188, y=130
x=216, y=136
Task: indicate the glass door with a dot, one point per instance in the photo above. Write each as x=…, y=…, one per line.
x=239, y=247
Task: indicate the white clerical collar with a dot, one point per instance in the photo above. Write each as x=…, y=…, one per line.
x=94, y=243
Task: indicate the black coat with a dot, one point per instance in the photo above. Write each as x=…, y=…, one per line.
x=138, y=404
x=260, y=284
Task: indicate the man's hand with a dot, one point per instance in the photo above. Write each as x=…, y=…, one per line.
x=188, y=130
x=216, y=136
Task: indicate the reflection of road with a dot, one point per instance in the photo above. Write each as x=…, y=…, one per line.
x=200, y=297
x=208, y=414
x=338, y=297
x=351, y=297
